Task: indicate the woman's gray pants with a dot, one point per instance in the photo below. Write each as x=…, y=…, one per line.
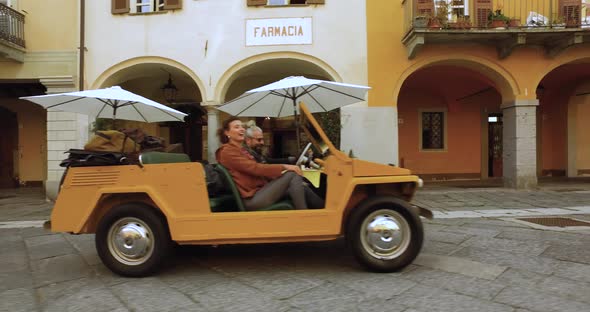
x=290, y=184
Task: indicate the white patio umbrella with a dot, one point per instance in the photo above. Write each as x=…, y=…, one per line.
x=113, y=102
x=281, y=98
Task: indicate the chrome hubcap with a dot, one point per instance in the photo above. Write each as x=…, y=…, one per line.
x=385, y=234
x=131, y=241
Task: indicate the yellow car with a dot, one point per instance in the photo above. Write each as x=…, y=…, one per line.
x=138, y=211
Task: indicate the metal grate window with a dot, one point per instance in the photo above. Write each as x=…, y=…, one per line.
x=433, y=130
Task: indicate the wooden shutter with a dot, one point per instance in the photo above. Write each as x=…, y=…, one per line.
x=425, y=7
x=482, y=9
x=119, y=6
x=570, y=11
x=315, y=2
x=172, y=4
x=256, y=2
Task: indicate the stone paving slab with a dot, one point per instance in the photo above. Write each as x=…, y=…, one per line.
x=460, y=265
x=536, y=301
x=459, y=283
x=78, y=295
x=310, y=276
x=537, y=269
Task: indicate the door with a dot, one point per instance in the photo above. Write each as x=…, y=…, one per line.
x=8, y=147
x=190, y=132
x=495, y=145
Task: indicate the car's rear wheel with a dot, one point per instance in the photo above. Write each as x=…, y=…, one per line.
x=385, y=235
x=133, y=240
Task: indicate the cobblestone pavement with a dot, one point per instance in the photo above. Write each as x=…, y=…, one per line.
x=467, y=264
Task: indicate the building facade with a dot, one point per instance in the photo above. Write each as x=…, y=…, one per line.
x=480, y=100
x=213, y=51
x=38, y=55
x=208, y=51
x=453, y=96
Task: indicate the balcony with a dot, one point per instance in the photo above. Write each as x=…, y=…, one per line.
x=12, y=34
x=506, y=25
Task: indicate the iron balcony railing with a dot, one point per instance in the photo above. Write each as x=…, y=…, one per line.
x=496, y=14
x=12, y=26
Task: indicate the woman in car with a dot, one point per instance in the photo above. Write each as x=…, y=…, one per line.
x=260, y=185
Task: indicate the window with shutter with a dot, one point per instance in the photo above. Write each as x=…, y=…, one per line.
x=119, y=6
x=424, y=7
x=482, y=9
x=172, y=4
x=570, y=11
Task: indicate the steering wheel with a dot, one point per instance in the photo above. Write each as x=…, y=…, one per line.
x=302, y=158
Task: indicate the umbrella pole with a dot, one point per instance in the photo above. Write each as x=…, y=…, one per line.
x=114, y=116
x=296, y=122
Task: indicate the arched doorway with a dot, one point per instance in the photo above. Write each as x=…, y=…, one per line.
x=280, y=135
x=563, y=127
x=450, y=123
x=147, y=79
x=8, y=147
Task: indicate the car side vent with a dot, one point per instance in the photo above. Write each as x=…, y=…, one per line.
x=95, y=178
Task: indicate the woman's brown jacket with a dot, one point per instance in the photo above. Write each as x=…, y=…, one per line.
x=248, y=175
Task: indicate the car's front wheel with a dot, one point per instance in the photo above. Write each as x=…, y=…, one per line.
x=384, y=234
x=132, y=240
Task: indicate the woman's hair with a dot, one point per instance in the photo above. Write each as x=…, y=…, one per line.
x=225, y=127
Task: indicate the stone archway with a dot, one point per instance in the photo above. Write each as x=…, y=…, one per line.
x=449, y=121
x=563, y=128
x=501, y=79
x=254, y=72
x=146, y=77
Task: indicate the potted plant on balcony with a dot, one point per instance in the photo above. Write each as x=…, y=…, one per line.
x=497, y=19
x=558, y=23
x=421, y=21
x=514, y=22
x=441, y=18
x=572, y=21
x=464, y=21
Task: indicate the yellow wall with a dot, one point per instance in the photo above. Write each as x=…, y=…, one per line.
x=51, y=34
x=515, y=77
x=51, y=25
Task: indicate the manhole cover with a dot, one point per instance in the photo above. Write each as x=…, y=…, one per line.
x=559, y=222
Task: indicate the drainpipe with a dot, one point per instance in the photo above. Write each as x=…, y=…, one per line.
x=82, y=45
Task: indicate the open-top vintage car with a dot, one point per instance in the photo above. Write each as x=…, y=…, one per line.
x=138, y=211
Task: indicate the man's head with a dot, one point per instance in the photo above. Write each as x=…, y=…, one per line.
x=254, y=138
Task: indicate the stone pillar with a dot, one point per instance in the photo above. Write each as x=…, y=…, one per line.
x=520, y=144
x=212, y=126
x=64, y=131
x=361, y=133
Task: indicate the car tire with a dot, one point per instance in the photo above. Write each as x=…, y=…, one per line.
x=385, y=234
x=133, y=240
